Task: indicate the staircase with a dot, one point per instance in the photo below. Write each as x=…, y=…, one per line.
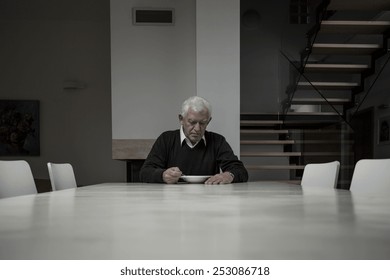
x=340, y=54
x=334, y=68
x=329, y=80
x=278, y=150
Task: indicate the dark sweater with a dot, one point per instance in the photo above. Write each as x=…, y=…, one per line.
x=203, y=159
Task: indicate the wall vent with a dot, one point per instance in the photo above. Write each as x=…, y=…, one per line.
x=153, y=16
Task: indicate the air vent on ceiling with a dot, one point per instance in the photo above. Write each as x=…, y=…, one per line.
x=153, y=16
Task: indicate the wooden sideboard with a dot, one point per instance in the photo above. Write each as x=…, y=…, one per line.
x=134, y=152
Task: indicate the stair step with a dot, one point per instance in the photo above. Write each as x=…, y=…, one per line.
x=292, y=154
x=321, y=131
x=328, y=67
x=354, y=26
x=260, y=116
x=290, y=142
x=291, y=119
x=276, y=167
x=360, y=49
x=317, y=154
x=308, y=123
x=264, y=131
x=328, y=85
x=313, y=121
x=320, y=101
x=260, y=122
x=270, y=154
x=311, y=114
x=266, y=142
x=326, y=141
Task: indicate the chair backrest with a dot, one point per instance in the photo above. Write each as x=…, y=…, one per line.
x=321, y=175
x=371, y=175
x=61, y=176
x=16, y=178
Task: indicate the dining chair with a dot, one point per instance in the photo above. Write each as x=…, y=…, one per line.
x=371, y=175
x=324, y=175
x=61, y=176
x=16, y=178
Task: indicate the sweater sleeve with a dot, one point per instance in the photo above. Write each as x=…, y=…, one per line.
x=229, y=162
x=155, y=163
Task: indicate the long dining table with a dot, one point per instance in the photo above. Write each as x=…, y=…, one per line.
x=254, y=220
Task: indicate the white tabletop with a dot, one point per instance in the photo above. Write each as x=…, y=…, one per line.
x=257, y=220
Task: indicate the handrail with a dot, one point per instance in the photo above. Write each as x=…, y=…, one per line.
x=317, y=90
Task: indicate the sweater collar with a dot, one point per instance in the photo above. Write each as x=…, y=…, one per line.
x=187, y=141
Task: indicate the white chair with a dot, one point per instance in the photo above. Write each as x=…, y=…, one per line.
x=61, y=176
x=16, y=178
x=323, y=175
x=371, y=175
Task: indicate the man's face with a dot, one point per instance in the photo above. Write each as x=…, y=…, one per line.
x=194, y=124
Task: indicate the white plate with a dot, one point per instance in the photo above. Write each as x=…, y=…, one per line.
x=195, y=178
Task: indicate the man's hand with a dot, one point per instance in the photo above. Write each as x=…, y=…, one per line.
x=171, y=175
x=221, y=178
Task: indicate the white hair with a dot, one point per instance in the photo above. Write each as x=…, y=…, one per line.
x=197, y=104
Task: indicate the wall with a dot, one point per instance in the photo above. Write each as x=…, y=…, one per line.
x=155, y=68
x=262, y=40
x=378, y=94
x=43, y=45
x=49, y=42
x=218, y=64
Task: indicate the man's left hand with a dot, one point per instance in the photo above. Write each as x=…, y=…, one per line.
x=221, y=178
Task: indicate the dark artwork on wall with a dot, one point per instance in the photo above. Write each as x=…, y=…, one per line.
x=19, y=128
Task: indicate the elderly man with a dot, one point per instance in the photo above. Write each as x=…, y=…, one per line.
x=192, y=150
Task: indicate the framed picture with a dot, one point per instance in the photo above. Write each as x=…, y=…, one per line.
x=19, y=128
x=384, y=130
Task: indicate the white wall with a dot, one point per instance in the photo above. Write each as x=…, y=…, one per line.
x=155, y=68
x=218, y=64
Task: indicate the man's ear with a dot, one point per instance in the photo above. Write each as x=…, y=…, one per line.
x=209, y=120
x=180, y=117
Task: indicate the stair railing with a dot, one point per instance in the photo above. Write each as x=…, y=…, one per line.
x=302, y=74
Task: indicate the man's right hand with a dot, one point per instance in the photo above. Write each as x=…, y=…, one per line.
x=171, y=175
